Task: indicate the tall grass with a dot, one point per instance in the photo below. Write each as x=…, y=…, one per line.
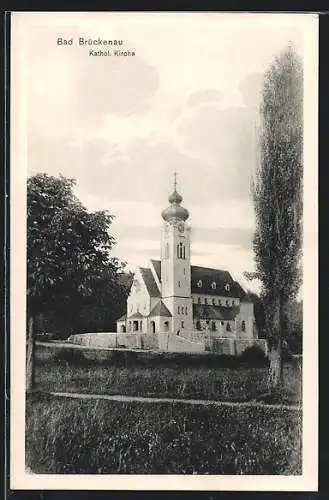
x=88, y=437
x=227, y=384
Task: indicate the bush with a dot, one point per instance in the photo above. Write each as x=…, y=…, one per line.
x=70, y=356
x=254, y=355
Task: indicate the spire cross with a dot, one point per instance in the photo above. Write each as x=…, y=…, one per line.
x=175, y=180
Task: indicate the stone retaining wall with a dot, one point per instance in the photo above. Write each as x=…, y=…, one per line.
x=167, y=342
x=111, y=339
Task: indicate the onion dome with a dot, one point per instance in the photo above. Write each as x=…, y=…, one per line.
x=175, y=211
x=175, y=198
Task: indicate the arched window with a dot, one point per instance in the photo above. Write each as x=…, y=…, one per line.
x=182, y=310
x=167, y=251
x=186, y=310
x=206, y=301
x=199, y=300
x=199, y=284
x=213, y=302
x=213, y=285
x=228, y=327
x=181, y=251
x=213, y=326
x=243, y=326
x=178, y=310
x=227, y=302
x=178, y=284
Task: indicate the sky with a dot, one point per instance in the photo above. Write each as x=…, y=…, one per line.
x=188, y=101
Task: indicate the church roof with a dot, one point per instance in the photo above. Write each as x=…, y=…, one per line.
x=157, y=268
x=202, y=311
x=122, y=318
x=207, y=276
x=214, y=282
x=136, y=315
x=150, y=282
x=160, y=310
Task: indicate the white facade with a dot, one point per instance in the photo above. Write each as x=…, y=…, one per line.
x=173, y=296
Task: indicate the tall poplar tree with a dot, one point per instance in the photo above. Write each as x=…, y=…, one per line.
x=277, y=190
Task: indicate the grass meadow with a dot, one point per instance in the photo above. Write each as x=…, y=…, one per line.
x=176, y=377
x=73, y=436
x=69, y=436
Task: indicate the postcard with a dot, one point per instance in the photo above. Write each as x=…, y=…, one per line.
x=164, y=251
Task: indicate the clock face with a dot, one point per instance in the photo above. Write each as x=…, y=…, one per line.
x=181, y=227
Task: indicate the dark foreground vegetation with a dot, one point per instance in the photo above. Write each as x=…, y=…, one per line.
x=68, y=436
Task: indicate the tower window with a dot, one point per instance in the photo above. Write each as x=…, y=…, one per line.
x=182, y=324
x=186, y=310
x=179, y=284
x=243, y=326
x=167, y=251
x=227, y=287
x=181, y=251
x=178, y=310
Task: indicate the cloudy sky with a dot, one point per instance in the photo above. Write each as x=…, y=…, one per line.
x=188, y=101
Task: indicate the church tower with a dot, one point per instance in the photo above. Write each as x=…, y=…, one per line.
x=176, y=264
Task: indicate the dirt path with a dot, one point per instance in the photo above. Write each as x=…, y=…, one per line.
x=204, y=402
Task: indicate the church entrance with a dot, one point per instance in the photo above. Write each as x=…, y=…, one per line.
x=153, y=326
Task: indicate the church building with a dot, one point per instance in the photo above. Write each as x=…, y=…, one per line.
x=171, y=296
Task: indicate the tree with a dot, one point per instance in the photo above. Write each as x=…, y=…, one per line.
x=68, y=251
x=277, y=190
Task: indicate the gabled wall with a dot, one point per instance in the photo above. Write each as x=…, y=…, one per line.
x=246, y=314
x=138, y=300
